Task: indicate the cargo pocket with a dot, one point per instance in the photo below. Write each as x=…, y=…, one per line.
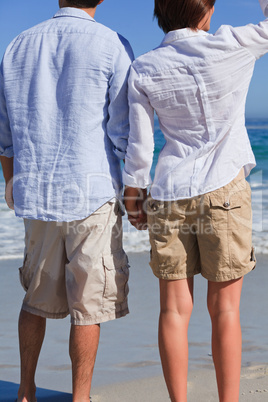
x=116, y=269
x=225, y=210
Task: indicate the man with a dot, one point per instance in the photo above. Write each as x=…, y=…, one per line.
x=64, y=129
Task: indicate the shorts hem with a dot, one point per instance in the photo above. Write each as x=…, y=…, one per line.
x=99, y=320
x=231, y=277
x=173, y=277
x=44, y=314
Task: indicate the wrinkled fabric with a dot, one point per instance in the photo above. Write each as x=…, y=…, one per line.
x=64, y=115
x=197, y=85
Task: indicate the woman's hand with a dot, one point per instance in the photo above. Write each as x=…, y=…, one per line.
x=135, y=203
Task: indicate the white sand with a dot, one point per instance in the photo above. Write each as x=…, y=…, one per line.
x=201, y=388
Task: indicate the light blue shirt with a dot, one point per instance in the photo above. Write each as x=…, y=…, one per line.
x=64, y=115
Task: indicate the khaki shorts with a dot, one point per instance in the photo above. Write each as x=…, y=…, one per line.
x=77, y=268
x=210, y=234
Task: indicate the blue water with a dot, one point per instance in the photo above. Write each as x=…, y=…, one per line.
x=258, y=135
x=12, y=231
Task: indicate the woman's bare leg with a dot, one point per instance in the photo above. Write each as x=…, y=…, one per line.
x=176, y=304
x=223, y=306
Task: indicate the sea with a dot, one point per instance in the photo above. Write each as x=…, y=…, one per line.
x=12, y=228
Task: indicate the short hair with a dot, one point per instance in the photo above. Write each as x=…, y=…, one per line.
x=178, y=14
x=83, y=3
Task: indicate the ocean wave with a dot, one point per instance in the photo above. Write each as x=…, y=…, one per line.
x=11, y=257
x=134, y=241
x=260, y=243
x=256, y=127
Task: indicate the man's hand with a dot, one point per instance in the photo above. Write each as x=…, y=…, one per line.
x=9, y=194
x=135, y=203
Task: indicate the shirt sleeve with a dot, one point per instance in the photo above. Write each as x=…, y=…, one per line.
x=6, y=146
x=140, y=150
x=118, y=124
x=264, y=7
x=254, y=37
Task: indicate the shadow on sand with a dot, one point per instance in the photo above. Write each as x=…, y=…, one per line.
x=8, y=393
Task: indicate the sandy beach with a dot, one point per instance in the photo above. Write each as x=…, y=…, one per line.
x=128, y=366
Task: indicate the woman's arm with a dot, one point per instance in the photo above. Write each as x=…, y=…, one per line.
x=254, y=37
x=140, y=149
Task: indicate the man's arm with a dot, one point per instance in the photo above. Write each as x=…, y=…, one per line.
x=7, y=166
x=6, y=146
x=118, y=124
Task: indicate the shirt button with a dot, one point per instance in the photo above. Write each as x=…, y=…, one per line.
x=226, y=204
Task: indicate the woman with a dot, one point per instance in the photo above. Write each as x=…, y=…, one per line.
x=199, y=210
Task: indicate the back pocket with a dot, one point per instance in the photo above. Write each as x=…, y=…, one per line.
x=225, y=210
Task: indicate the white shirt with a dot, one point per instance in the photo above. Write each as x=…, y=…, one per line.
x=197, y=84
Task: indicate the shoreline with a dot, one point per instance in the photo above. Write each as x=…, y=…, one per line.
x=201, y=387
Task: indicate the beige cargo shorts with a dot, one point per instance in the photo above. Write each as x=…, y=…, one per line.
x=210, y=234
x=77, y=268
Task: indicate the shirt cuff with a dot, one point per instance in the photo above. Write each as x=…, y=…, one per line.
x=130, y=181
x=7, y=152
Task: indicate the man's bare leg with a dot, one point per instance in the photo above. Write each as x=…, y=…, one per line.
x=31, y=335
x=84, y=341
x=223, y=305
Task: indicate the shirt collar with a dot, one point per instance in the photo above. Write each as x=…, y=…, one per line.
x=181, y=34
x=73, y=12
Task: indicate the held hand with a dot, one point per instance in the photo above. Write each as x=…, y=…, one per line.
x=134, y=199
x=9, y=194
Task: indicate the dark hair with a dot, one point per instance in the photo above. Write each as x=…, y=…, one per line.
x=83, y=3
x=177, y=14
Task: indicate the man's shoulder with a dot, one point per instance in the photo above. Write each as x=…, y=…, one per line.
x=114, y=42
x=30, y=31
x=112, y=36
x=44, y=25
x=105, y=37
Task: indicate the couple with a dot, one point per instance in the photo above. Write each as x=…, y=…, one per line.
x=72, y=105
